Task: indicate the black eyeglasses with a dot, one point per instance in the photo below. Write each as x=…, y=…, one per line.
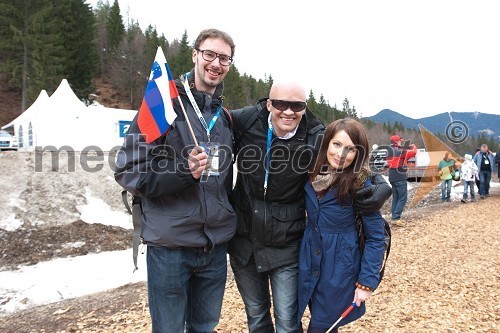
x=209, y=55
x=285, y=105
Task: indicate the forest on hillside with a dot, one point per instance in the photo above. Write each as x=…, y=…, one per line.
x=44, y=41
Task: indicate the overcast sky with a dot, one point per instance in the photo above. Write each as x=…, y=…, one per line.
x=418, y=58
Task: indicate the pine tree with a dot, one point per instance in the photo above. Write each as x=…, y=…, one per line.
x=153, y=41
x=101, y=14
x=324, y=111
x=12, y=42
x=263, y=87
x=181, y=62
x=26, y=29
x=48, y=55
x=233, y=90
x=312, y=104
x=78, y=35
x=249, y=89
x=347, y=110
x=115, y=26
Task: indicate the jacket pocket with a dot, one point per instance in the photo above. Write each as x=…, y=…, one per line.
x=174, y=206
x=348, y=253
x=287, y=224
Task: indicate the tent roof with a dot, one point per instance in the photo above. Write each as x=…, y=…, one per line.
x=39, y=102
x=65, y=97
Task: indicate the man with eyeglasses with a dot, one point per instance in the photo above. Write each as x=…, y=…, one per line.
x=276, y=142
x=186, y=217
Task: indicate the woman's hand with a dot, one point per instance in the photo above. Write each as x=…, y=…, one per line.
x=361, y=296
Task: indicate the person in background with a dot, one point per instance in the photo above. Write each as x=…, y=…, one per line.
x=485, y=163
x=332, y=272
x=187, y=221
x=468, y=172
x=276, y=143
x=477, y=178
x=397, y=158
x=497, y=162
x=446, y=169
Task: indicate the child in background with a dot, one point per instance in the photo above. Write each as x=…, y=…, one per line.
x=446, y=169
x=469, y=173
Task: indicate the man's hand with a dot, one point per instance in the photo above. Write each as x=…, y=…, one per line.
x=370, y=199
x=197, y=160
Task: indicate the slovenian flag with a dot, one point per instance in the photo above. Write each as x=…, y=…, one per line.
x=157, y=112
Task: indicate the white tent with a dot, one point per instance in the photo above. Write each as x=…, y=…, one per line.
x=105, y=127
x=57, y=123
x=23, y=125
x=63, y=120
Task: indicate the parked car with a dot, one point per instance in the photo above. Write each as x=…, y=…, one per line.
x=7, y=141
x=378, y=159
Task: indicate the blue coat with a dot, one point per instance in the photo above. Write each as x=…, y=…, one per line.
x=330, y=262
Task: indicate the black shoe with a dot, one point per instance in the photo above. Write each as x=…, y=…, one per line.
x=463, y=200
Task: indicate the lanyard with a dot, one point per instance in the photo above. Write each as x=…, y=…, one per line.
x=208, y=127
x=268, y=155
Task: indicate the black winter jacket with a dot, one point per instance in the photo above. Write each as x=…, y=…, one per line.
x=270, y=227
x=178, y=211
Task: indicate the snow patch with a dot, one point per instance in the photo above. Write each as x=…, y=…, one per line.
x=65, y=278
x=97, y=211
x=18, y=203
x=10, y=223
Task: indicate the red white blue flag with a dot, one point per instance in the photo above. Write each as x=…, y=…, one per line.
x=156, y=113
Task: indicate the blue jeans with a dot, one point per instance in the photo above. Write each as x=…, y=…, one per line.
x=484, y=182
x=185, y=288
x=470, y=185
x=446, y=189
x=399, y=197
x=254, y=290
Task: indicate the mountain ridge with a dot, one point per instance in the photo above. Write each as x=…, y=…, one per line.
x=476, y=122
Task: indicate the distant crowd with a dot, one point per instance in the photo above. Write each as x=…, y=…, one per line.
x=474, y=170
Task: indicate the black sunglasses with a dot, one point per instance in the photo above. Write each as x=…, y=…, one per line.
x=285, y=105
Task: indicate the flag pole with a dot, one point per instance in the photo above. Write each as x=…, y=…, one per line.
x=346, y=312
x=187, y=120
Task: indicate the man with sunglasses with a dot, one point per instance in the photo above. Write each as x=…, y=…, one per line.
x=186, y=217
x=276, y=142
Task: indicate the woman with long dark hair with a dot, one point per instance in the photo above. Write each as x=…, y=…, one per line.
x=332, y=272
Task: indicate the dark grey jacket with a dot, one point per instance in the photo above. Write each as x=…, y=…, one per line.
x=178, y=211
x=270, y=227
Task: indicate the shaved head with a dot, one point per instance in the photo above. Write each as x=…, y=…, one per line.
x=288, y=91
x=287, y=94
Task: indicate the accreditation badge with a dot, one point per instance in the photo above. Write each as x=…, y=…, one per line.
x=212, y=150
